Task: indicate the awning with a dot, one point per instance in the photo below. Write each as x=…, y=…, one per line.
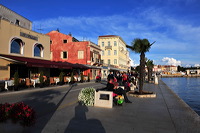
x=33, y=62
x=93, y=67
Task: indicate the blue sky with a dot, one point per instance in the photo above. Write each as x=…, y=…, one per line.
x=173, y=24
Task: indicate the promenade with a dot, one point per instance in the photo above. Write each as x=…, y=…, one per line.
x=166, y=113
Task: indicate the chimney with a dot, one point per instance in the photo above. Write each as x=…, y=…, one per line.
x=58, y=30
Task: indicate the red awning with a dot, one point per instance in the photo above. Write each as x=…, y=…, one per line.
x=32, y=62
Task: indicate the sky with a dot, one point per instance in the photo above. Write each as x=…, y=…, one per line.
x=173, y=24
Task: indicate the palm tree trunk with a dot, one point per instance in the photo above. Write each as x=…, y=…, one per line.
x=142, y=72
x=149, y=73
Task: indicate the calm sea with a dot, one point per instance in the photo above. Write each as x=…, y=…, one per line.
x=187, y=89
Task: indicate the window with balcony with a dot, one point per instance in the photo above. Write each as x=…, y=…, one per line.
x=108, y=43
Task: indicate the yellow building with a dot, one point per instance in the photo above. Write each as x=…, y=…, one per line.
x=114, y=52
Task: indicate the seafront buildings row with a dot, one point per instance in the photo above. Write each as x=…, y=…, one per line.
x=30, y=52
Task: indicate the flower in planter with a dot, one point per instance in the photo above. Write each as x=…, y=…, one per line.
x=17, y=112
x=86, y=96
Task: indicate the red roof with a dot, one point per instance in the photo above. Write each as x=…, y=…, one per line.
x=109, y=36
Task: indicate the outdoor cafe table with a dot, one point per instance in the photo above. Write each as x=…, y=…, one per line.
x=35, y=81
x=8, y=83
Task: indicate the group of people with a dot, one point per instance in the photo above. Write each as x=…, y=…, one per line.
x=120, y=79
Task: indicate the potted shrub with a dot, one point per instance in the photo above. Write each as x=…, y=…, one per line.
x=86, y=96
x=41, y=78
x=72, y=78
x=61, y=78
x=16, y=81
x=88, y=77
x=82, y=77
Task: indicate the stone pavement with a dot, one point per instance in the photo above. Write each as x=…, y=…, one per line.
x=166, y=113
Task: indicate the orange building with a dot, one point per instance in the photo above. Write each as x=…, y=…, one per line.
x=65, y=48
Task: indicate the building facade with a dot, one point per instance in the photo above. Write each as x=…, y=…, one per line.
x=14, y=18
x=65, y=48
x=23, y=50
x=114, y=53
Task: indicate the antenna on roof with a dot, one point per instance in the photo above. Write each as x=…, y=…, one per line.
x=40, y=29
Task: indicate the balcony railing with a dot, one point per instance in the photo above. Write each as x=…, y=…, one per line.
x=108, y=47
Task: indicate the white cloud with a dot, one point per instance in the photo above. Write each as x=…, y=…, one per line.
x=172, y=36
x=197, y=65
x=171, y=61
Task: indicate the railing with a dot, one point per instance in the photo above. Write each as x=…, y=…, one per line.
x=108, y=47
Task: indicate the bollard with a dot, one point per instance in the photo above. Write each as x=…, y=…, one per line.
x=155, y=79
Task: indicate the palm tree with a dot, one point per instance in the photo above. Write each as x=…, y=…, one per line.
x=141, y=46
x=150, y=65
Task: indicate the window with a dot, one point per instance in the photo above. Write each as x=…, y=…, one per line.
x=51, y=55
x=115, y=61
x=108, y=61
x=108, y=43
x=38, y=50
x=64, y=41
x=64, y=55
x=102, y=52
x=115, y=52
x=16, y=46
x=102, y=44
x=50, y=41
x=80, y=54
x=17, y=22
x=115, y=43
x=108, y=52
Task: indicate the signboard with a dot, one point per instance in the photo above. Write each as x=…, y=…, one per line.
x=28, y=36
x=3, y=67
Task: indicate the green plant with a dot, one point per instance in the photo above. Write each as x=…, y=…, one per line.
x=41, y=78
x=82, y=77
x=86, y=96
x=61, y=77
x=88, y=77
x=72, y=77
x=16, y=79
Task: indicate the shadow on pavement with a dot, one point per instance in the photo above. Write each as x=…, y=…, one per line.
x=45, y=107
x=79, y=123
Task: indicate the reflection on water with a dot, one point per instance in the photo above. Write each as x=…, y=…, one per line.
x=186, y=88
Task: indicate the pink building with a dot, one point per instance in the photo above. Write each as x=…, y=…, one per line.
x=65, y=48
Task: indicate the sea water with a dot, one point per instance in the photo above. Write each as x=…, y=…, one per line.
x=187, y=88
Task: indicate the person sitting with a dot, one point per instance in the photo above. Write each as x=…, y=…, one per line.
x=113, y=86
